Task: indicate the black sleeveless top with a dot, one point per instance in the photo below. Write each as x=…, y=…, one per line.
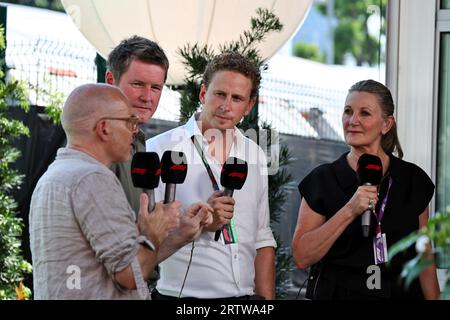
x=330, y=186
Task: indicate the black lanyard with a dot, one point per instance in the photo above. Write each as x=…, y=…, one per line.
x=215, y=185
x=228, y=232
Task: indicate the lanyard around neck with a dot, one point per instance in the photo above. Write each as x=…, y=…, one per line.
x=214, y=183
x=380, y=214
x=228, y=231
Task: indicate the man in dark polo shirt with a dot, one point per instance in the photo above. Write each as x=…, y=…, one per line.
x=138, y=66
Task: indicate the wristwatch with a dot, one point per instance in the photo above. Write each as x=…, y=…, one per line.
x=146, y=242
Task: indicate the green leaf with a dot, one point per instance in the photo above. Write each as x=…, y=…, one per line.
x=413, y=268
x=403, y=244
x=445, y=295
x=12, y=265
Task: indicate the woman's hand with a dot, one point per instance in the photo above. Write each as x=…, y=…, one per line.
x=365, y=197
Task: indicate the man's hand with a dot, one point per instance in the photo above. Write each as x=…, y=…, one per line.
x=195, y=219
x=223, y=208
x=157, y=225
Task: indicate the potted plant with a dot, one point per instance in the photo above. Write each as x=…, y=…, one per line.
x=435, y=236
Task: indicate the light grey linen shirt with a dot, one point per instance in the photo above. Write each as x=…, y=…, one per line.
x=82, y=231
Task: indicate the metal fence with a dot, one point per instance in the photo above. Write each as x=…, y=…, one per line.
x=299, y=109
x=50, y=66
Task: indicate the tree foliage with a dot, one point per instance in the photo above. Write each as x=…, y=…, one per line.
x=351, y=35
x=308, y=51
x=195, y=59
x=12, y=265
x=437, y=231
x=44, y=4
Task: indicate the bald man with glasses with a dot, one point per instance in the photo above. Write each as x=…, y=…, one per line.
x=84, y=240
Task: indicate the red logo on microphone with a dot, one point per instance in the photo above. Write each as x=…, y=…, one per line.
x=158, y=172
x=140, y=171
x=373, y=166
x=237, y=175
x=178, y=167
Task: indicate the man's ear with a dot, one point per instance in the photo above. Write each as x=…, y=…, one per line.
x=109, y=78
x=201, y=95
x=250, y=106
x=388, y=123
x=102, y=130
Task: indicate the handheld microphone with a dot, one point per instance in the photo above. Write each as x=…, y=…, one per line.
x=145, y=172
x=233, y=176
x=173, y=172
x=369, y=171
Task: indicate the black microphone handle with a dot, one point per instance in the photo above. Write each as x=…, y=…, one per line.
x=227, y=193
x=365, y=220
x=151, y=199
x=169, y=195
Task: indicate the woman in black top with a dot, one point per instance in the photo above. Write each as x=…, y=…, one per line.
x=328, y=236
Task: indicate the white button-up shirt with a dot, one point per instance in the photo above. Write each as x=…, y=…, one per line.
x=217, y=270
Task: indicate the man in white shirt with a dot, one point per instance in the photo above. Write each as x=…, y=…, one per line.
x=245, y=269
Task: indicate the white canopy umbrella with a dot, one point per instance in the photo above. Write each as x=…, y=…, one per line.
x=175, y=23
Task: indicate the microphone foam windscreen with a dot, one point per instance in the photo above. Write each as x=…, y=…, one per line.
x=173, y=167
x=145, y=170
x=234, y=173
x=369, y=169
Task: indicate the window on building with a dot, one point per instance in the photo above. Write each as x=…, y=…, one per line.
x=443, y=140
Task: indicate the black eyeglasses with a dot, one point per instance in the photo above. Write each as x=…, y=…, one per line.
x=132, y=121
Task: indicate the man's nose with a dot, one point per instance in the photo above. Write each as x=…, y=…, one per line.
x=146, y=95
x=227, y=104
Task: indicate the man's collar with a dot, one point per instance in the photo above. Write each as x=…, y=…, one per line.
x=192, y=127
x=139, y=141
x=237, y=148
x=140, y=135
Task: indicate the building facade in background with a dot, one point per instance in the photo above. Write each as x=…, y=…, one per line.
x=418, y=64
